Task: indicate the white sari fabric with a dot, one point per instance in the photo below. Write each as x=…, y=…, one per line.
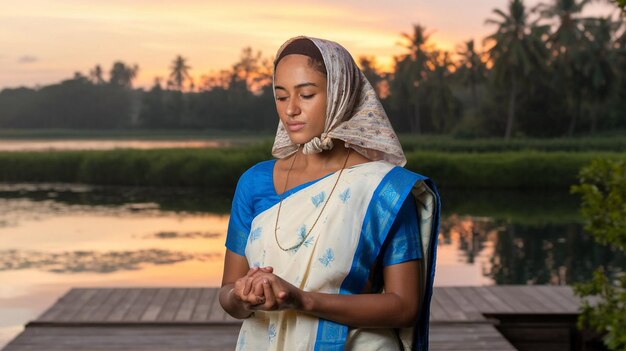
x=338, y=255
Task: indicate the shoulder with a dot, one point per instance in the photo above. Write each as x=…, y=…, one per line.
x=257, y=169
x=408, y=173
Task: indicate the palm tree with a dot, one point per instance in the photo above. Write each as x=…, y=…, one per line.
x=442, y=102
x=566, y=44
x=123, y=75
x=598, y=68
x=471, y=68
x=411, y=70
x=179, y=74
x=516, y=52
x=96, y=75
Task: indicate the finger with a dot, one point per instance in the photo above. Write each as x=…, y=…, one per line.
x=270, y=300
x=278, y=290
x=255, y=299
x=247, y=286
x=252, y=270
x=258, y=287
x=268, y=269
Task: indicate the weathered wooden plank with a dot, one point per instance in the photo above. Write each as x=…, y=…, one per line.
x=194, y=338
x=457, y=314
x=86, y=312
x=187, y=305
x=478, y=301
x=466, y=305
x=172, y=304
x=510, y=299
x=497, y=305
x=127, y=301
x=517, y=293
x=544, y=305
x=73, y=307
x=218, y=337
x=59, y=307
x=452, y=308
x=116, y=296
x=139, y=306
x=203, y=307
x=217, y=312
x=550, y=293
x=569, y=299
x=467, y=336
x=437, y=313
x=156, y=305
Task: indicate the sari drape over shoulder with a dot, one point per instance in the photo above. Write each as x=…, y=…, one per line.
x=379, y=214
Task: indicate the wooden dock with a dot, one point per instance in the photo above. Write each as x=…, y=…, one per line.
x=462, y=318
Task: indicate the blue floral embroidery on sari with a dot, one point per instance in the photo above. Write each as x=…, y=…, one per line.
x=255, y=234
x=327, y=257
x=271, y=332
x=318, y=199
x=344, y=195
x=302, y=234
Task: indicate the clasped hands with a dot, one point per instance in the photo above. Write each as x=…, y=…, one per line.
x=261, y=289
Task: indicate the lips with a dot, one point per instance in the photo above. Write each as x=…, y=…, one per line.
x=294, y=127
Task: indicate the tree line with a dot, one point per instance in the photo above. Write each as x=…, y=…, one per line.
x=544, y=71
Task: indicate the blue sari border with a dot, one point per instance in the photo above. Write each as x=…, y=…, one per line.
x=386, y=201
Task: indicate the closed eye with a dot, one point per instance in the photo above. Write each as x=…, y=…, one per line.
x=307, y=96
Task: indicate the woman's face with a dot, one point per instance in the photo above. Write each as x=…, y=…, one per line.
x=300, y=98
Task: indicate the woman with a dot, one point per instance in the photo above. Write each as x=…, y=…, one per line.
x=341, y=243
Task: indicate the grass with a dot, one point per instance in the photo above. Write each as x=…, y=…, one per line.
x=221, y=168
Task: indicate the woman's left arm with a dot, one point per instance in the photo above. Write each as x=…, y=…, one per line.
x=397, y=307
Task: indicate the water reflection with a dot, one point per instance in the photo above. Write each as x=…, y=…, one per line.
x=52, y=145
x=94, y=261
x=557, y=254
x=188, y=235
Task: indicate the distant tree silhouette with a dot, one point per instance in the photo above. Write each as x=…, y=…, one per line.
x=123, y=75
x=411, y=70
x=516, y=51
x=566, y=44
x=471, y=69
x=179, y=74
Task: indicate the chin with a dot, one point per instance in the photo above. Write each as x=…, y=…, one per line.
x=298, y=138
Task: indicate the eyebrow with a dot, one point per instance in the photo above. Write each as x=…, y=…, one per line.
x=301, y=85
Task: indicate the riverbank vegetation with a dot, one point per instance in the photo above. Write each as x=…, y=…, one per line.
x=220, y=168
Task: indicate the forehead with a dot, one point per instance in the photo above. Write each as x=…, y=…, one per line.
x=296, y=67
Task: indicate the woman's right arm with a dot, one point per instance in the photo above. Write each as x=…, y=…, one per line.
x=236, y=295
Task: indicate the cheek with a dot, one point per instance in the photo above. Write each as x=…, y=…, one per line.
x=320, y=111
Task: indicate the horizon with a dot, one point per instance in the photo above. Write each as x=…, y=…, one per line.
x=152, y=33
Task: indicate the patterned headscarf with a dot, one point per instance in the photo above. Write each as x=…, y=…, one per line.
x=353, y=112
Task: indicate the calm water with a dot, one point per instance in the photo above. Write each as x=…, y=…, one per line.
x=90, y=144
x=53, y=237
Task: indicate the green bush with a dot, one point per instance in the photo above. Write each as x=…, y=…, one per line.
x=220, y=168
x=507, y=170
x=603, y=189
x=449, y=144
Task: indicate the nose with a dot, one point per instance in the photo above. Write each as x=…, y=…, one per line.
x=292, y=108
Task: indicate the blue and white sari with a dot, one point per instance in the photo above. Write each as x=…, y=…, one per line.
x=369, y=222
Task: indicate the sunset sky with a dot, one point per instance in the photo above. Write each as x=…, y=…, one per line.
x=45, y=41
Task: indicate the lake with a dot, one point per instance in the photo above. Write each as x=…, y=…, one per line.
x=90, y=144
x=57, y=236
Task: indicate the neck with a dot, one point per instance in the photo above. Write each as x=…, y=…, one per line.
x=332, y=159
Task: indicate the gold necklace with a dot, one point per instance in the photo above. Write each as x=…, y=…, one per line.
x=318, y=216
